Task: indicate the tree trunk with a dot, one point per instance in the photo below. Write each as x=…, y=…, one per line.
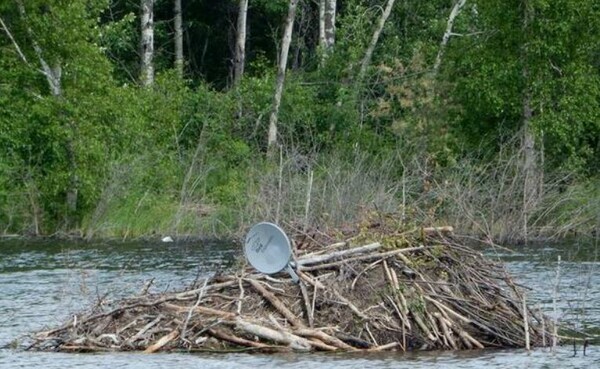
x=285, y=47
x=530, y=167
x=453, y=14
x=369, y=54
x=327, y=12
x=322, y=39
x=240, y=44
x=147, y=43
x=330, y=9
x=178, y=37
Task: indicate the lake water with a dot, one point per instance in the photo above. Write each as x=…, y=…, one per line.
x=41, y=283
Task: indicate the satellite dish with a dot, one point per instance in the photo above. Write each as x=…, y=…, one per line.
x=268, y=249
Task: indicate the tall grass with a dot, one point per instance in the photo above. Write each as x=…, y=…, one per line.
x=302, y=191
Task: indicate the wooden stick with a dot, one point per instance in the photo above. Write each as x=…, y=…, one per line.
x=472, y=340
x=448, y=310
x=526, y=323
x=277, y=304
x=385, y=347
x=144, y=329
x=162, y=342
x=235, y=339
x=190, y=312
x=307, y=306
x=446, y=330
x=338, y=254
x=201, y=310
x=241, y=296
x=438, y=230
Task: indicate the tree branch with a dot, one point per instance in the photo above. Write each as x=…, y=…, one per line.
x=10, y=36
x=453, y=14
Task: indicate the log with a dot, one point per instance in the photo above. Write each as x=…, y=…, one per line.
x=326, y=338
x=338, y=254
x=162, y=342
x=286, y=338
x=362, y=258
x=235, y=339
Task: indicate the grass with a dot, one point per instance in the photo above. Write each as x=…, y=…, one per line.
x=303, y=191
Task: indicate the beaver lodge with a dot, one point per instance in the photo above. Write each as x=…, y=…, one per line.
x=371, y=289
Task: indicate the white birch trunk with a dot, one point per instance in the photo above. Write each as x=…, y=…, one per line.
x=52, y=74
x=369, y=53
x=330, y=10
x=240, y=44
x=453, y=14
x=147, y=42
x=327, y=12
x=178, y=37
x=285, y=47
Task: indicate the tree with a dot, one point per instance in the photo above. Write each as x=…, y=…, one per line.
x=366, y=61
x=178, y=37
x=453, y=14
x=240, y=43
x=280, y=81
x=147, y=42
x=327, y=13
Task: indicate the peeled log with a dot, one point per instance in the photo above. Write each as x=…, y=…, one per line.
x=295, y=342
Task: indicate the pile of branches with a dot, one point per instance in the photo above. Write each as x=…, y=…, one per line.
x=379, y=289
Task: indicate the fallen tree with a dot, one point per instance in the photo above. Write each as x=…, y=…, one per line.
x=377, y=289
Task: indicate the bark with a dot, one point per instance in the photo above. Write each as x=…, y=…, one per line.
x=240, y=44
x=330, y=9
x=453, y=14
x=369, y=53
x=327, y=12
x=178, y=37
x=147, y=43
x=285, y=47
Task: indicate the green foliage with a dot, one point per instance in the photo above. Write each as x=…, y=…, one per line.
x=189, y=154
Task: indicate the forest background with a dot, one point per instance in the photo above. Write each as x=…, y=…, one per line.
x=123, y=118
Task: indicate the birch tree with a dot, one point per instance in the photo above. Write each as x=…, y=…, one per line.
x=52, y=70
x=366, y=61
x=283, y=57
x=147, y=42
x=327, y=13
x=178, y=37
x=450, y=24
x=240, y=43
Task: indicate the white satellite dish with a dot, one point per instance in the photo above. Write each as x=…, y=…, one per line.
x=268, y=249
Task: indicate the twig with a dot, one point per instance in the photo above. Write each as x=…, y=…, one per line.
x=189, y=315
